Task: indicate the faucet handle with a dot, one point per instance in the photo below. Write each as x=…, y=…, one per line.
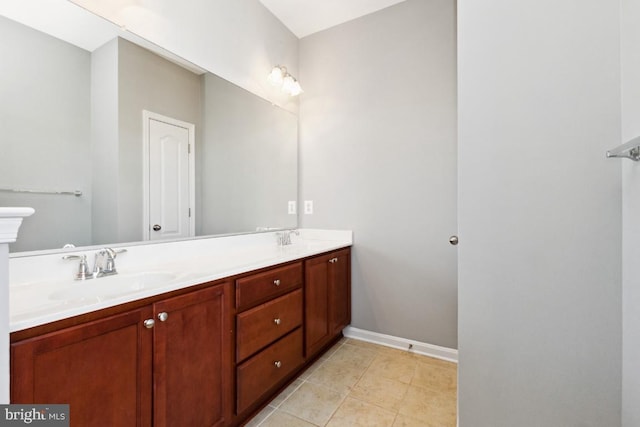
x=110, y=260
x=83, y=269
x=118, y=251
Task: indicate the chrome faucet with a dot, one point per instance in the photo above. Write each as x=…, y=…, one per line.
x=284, y=237
x=83, y=268
x=104, y=264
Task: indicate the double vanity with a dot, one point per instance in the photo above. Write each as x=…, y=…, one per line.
x=196, y=333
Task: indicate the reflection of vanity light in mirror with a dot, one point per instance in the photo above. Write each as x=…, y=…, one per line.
x=279, y=76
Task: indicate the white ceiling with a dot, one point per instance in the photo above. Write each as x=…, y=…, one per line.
x=71, y=24
x=304, y=17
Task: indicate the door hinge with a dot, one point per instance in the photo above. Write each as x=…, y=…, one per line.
x=188, y=148
x=189, y=212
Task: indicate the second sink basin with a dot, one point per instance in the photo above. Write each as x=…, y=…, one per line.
x=112, y=286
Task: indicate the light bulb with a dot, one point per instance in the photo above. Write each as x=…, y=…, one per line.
x=287, y=84
x=296, y=89
x=276, y=76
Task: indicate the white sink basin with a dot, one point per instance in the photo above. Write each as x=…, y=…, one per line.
x=112, y=286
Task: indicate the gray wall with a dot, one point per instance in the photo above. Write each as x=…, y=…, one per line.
x=378, y=156
x=44, y=121
x=247, y=160
x=104, y=142
x=631, y=212
x=146, y=82
x=539, y=213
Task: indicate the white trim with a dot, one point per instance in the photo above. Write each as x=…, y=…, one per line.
x=10, y=220
x=146, y=116
x=431, y=350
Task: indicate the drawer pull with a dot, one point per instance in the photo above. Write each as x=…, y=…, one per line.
x=277, y=364
x=277, y=321
x=276, y=282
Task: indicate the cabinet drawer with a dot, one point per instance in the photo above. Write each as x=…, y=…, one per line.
x=260, y=326
x=262, y=286
x=263, y=372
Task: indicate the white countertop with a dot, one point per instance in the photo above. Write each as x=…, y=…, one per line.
x=42, y=288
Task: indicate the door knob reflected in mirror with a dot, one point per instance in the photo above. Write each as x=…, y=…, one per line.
x=453, y=240
x=157, y=227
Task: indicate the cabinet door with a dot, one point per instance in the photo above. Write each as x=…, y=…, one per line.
x=102, y=369
x=316, y=304
x=192, y=345
x=339, y=292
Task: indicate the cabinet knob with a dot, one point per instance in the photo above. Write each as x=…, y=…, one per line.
x=276, y=282
x=277, y=321
x=277, y=364
x=149, y=323
x=163, y=316
x=333, y=260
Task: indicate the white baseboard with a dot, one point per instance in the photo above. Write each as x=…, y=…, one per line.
x=444, y=353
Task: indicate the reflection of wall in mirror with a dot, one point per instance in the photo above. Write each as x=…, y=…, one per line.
x=73, y=120
x=249, y=148
x=45, y=93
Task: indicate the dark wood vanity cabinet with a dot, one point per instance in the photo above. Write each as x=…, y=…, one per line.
x=212, y=356
x=327, y=301
x=123, y=370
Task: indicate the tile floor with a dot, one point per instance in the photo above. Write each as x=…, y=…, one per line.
x=362, y=384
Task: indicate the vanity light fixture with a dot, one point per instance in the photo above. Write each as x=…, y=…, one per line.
x=280, y=77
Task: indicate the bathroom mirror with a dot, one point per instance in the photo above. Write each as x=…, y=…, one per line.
x=73, y=129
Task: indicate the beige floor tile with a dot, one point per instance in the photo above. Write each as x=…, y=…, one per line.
x=363, y=344
x=286, y=393
x=355, y=413
x=338, y=375
x=395, y=351
x=404, y=421
x=436, y=362
x=356, y=356
x=282, y=419
x=380, y=391
x=357, y=383
x=311, y=369
x=260, y=417
x=436, y=376
x=399, y=367
x=313, y=403
x=430, y=406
